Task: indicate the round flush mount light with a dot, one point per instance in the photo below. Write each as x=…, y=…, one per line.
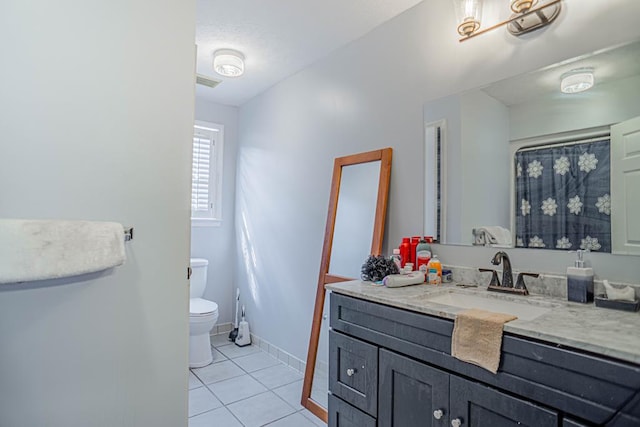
x=228, y=63
x=576, y=81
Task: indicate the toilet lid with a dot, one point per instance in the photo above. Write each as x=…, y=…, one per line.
x=199, y=306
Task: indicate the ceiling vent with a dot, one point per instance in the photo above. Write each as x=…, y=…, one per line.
x=206, y=81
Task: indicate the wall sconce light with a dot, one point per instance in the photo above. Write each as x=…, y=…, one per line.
x=577, y=80
x=228, y=63
x=527, y=16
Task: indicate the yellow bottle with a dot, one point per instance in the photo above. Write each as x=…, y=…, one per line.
x=434, y=271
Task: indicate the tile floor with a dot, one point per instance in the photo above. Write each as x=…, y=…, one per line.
x=246, y=387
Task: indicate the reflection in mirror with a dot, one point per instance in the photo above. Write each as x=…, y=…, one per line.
x=433, y=179
x=562, y=198
x=354, y=218
x=485, y=127
x=320, y=385
x=354, y=230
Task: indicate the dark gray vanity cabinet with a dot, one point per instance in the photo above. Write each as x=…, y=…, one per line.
x=392, y=367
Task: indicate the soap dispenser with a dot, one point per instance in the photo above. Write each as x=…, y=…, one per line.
x=580, y=280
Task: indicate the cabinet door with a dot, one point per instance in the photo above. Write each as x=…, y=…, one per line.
x=476, y=405
x=409, y=393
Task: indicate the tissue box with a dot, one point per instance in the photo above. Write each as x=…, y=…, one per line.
x=602, y=301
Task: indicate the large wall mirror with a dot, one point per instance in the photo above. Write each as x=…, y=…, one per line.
x=519, y=163
x=354, y=230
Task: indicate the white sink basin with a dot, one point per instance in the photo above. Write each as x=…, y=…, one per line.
x=524, y=310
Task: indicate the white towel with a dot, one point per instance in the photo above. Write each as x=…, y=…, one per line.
x=41, y=249
x=493, y=235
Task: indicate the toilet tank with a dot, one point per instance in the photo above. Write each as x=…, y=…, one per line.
x=198, y=280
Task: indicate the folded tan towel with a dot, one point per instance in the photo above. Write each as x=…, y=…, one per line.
x=477, y=337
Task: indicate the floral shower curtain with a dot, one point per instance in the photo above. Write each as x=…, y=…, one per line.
x=563, y=197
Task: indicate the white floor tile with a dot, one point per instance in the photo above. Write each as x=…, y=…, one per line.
x=217, y=356
x=233, y=351
x=220, y=340
x=256, y=361
x=260, y=410
x=220, y=417
x=293, y=420
x=247, y=396
x=310, y=416
x=218, y=372
x=202, y=400
x=194, y=382
x=238, y=388
x=291, y=393
x=276, y=376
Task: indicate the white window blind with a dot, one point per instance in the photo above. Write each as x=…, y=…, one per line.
x=205, y=172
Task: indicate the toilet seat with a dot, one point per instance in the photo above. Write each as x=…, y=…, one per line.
x=202, y=307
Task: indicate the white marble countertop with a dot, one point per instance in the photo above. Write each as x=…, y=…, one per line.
x=603, y=331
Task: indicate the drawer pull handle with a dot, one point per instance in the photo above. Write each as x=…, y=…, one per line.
x=438, y=413
x=350, y=372
x=456, y=422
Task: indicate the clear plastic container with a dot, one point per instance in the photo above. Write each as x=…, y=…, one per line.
x=397, y=258
x=434, y=271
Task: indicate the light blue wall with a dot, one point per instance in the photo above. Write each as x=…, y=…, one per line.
x=368, y=95
x=217, y=244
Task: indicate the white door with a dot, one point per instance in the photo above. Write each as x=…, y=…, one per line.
x=625, y=187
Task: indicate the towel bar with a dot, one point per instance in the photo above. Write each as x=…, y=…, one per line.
x=128, y=234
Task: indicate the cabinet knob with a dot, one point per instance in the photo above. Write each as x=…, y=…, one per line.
x=438, y=413
x=456, y=422
x=350, y=372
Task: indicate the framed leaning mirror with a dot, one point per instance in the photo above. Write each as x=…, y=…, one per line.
x=354, y=230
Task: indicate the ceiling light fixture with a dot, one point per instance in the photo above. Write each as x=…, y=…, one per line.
x=577, y=80
x=228, y=63
x=527, y=16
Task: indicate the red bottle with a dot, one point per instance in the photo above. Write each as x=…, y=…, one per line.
x=405, y=250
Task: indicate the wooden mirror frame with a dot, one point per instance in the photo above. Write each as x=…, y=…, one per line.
x=384, y=155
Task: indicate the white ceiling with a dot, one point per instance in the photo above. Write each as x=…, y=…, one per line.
x=279, y=37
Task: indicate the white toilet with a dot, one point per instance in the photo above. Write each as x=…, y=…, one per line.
x=203, y=315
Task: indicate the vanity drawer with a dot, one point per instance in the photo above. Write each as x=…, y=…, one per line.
x=342, y=414
x=353, y=371
x=587, y=386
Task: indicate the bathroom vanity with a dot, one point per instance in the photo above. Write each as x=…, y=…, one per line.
x=563, y=364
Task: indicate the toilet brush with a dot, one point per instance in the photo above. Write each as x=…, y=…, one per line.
x=244, y=336
x=234, y=332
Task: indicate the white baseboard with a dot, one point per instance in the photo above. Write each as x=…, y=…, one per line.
x=286, y=358
x=222, y=328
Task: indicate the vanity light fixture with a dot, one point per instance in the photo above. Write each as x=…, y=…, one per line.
x=228, y=63
x=577, y=80
x=468, y=13
x=527, y=16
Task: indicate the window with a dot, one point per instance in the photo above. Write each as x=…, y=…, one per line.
x=206, y=174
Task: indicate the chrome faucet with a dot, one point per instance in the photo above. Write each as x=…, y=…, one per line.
x=507, y=274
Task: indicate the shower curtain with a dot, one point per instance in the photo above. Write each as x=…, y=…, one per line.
x=563, y=196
